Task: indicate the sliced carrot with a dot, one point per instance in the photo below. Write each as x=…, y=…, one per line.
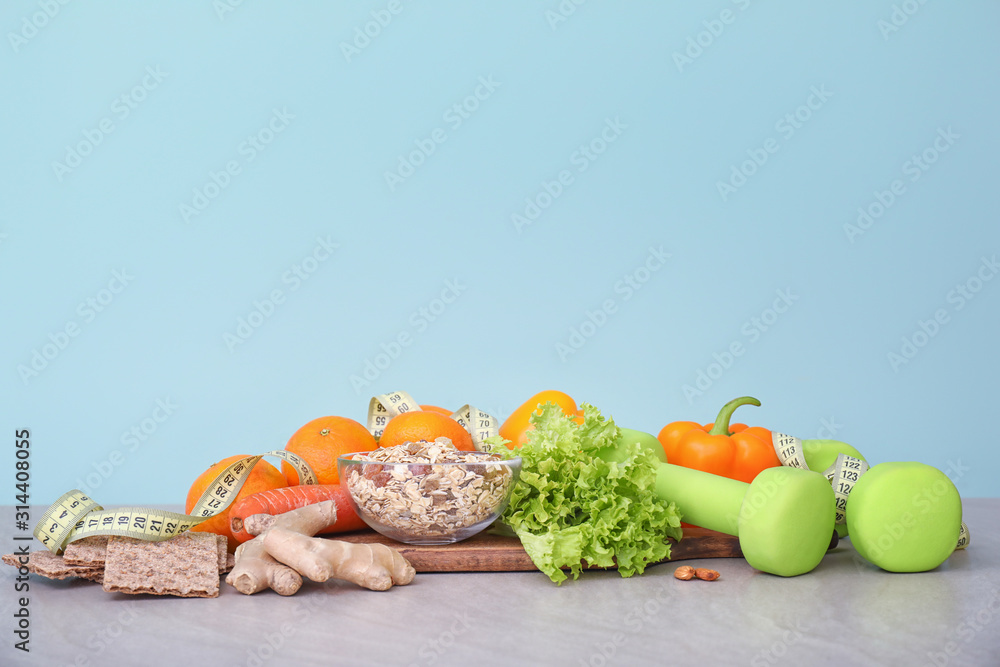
x=294, y=497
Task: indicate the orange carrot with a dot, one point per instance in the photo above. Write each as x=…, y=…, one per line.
x=286, y=499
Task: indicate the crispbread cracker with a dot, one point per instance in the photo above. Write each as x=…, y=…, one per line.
x=223, y=544
x=185, y=566
x=12, y=559
x=88, y=551
x=227, y=561
x=47, y=564
x=96, y=575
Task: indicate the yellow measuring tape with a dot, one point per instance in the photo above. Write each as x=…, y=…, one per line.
x=843, y=475
x=384, y=407
x=76, y=516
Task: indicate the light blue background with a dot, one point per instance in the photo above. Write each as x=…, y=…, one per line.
x=821, y=367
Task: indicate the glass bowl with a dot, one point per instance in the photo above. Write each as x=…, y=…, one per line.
x=419, y=495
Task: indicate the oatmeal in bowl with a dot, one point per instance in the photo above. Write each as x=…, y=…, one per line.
x=428, y=492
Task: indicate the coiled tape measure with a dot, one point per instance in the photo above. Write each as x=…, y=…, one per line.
x=384, y=407
x=75, y=516
x=843, y=475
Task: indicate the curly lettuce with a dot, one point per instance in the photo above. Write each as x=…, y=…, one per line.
x=571, y=508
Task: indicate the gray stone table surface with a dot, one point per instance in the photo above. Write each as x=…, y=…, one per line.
x=846, y=612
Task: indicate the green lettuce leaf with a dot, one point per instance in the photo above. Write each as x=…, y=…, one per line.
x=572, y=508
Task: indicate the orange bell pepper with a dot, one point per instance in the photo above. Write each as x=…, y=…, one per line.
x=737, y=451
x=515, y=428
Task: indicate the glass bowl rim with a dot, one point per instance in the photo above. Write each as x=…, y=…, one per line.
x=513, y=461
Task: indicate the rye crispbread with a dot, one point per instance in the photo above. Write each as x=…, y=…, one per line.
x=185, y=566
x=90, y=551
x=222, y=544
x=227, y=561
x=47, y=564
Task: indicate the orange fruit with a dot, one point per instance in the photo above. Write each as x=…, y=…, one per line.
x=418, y=425
x=321, y=441
x=434, y=408
x=263, y=477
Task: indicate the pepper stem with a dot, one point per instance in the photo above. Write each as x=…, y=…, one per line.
x=721, y=425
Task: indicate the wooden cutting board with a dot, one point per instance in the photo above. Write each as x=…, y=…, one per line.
x=496, y=553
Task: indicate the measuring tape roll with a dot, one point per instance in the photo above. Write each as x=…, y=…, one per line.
x=384, y=407
x=963, y=537
x=479, y=424
x=843, y=475
x=75, y=516
x=789, y=450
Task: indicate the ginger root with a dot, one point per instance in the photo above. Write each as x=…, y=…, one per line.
x=255, y=570
x=374, y=566
x=255, y=524
x=286, y=549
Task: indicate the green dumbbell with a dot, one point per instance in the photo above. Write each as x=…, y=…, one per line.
x=904, y=517
x=784, y=518
x=619, y=451
x=821, y=455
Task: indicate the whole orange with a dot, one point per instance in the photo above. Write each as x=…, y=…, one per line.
x=321, y=441
x=418, y=425
x=434, y=408
x=263, y=477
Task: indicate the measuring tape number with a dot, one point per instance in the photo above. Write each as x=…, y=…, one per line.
x=75, y=516
x=843, y=475
x=384, y=407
